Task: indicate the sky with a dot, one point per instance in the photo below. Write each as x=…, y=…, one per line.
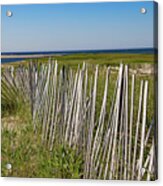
x=80, y=26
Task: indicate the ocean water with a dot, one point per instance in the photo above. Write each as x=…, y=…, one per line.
x=125, y=51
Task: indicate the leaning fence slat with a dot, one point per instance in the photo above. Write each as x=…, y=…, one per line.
x=137, y=129
x=92, y=121
x=126, y=124
x=151, y=162
x=143, y=130
x=148, y=133
x=112, y=164
x=100, y=127
x=71, y=108
x=54, y=101
x=131, y=126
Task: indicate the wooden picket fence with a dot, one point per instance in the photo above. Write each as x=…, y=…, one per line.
x=63, y=105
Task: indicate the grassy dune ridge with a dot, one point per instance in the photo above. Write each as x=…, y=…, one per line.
x=102, y=59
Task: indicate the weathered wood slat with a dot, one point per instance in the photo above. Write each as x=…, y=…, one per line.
x=137, y=129
x=143, y=130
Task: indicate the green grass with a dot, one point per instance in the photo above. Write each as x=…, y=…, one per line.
x=29, y=157
x=105, y=59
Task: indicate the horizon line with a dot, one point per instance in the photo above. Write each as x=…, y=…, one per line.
x=80, y=50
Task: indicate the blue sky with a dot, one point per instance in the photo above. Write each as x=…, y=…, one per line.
x=80, y=26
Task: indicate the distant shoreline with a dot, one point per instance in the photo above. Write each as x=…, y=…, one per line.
x=27, y=56
x=19, y=58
